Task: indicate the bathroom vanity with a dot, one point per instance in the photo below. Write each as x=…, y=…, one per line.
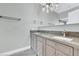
x=53, y=43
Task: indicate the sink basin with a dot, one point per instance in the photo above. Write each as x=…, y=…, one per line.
x=62, y=38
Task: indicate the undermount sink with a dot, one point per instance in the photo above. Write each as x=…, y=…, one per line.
x=62, y=38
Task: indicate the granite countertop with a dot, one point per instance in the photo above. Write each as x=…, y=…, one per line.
x=73, y=42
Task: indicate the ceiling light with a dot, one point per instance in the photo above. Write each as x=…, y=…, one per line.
x=47, y=7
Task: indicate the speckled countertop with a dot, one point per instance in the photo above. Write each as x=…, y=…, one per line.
x=73, y=43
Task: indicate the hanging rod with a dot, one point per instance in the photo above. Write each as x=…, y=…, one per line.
x=10, y=18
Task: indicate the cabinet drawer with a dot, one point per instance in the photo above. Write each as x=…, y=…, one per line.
x=65, y=49
x=51, y=43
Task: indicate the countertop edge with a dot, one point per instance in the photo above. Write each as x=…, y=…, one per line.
x=70, y=43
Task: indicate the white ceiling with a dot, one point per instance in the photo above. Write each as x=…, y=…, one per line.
x=66, y=6
x=61, y=6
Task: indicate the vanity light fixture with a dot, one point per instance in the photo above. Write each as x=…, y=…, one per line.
x=10, y=18
x=49, y=7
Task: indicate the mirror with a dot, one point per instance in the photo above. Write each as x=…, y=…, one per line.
x=73, y=17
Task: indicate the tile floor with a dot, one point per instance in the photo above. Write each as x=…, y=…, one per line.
x=29, y=52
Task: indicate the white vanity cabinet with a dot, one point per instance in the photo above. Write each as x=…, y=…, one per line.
x=47, y=47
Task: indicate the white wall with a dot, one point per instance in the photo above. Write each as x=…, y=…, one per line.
x=71, y=27
x=73, y=17
x=68, y=27
x=62, y=7
x=12, y=33
x=15, y=34
x=47, y=18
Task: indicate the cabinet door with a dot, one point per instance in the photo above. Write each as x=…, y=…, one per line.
x=58, y=53
x=64, y=48
x=33, y=42
x=50, y=51
x=39, y=48
x=76, y=52
x=50, y=48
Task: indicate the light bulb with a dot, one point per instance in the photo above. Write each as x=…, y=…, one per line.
x=56, y=4
x=51, y=8
x=47, y=11
x=47, y=6
x=43, y=9
x=52, y=4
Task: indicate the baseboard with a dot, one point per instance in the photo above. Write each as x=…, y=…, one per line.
x=14, y=51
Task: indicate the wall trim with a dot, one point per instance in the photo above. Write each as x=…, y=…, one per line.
x=14, y=51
